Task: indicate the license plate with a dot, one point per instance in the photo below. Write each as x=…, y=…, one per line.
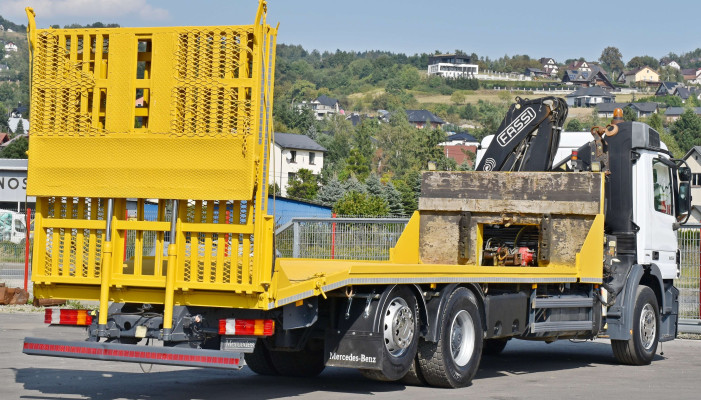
x=237, y=344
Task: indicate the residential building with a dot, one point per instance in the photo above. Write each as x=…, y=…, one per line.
x=291, y=153
x=685, y=92
x=672, y=64
x=673, y=113
x=666, y=88
x=589, y=96
x=461, y=147
x=605, y=110
x=419, y=118
x=642, y=74
x=10, y=46
x=693, y=159
x=452, y=66
x=549, y=66
x=13, y=122
x=689, y=74
x=586, y=74
x=323, y=106
x=535, y=72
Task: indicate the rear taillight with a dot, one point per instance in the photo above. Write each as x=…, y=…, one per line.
x=58, y=316
x=246, y=327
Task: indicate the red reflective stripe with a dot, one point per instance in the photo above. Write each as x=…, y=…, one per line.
x=130, y=354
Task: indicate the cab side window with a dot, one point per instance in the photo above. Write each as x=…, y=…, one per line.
x=662, y=186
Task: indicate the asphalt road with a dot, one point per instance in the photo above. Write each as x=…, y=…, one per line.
x=562, y=370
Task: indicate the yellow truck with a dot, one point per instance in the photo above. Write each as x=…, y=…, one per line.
x=181, y=117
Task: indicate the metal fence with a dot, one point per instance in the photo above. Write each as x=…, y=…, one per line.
x=339, y=238
x=14, y=257
x=689, y=282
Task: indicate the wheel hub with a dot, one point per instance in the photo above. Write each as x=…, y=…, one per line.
x=462, y=338
x=648, y=326
x=398, y=327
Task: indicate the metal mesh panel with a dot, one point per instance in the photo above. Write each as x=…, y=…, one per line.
x=339, y=238
x=690, y=279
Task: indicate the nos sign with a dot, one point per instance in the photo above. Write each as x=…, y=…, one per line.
x=13, y=186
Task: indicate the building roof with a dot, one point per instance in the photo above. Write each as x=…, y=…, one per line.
x=696, y=149
x=675, y=111
x=688, y=71
x=534, y=70
x=635, y=71
x=647, y=107
x=590, y=91
x=423, y=116
x=462, y=136
x=298, y=142
x=669, y=85
x=327, y=101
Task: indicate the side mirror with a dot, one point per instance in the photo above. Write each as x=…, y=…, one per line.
x=684, y=174
x=684, y=197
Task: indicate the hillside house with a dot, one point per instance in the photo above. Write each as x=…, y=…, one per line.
x=589, y=97
x=461, y=147
x=641, y=109
x=291, y=153
x=666, y=88
x=323, y=106
x=10, y=46
x=586, y=74
x=535, y=72
x=452, y=66
x=673, y=113
x=643, y=74
x=685, y=92
x=549, y=66
x=672, y=64
x=419, y=118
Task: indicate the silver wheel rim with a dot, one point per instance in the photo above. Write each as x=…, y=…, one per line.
x=648, y=326
x=462, y=338
x=398, y=327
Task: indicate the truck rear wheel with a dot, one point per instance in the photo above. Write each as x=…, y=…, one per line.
x=640, y=349
x=454, y=359
x=400, y=330
x=259, y=361
x=493, y=347
x=308, y=362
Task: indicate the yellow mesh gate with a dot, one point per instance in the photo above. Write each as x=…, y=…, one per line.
x=165, y=118
x=148, y=112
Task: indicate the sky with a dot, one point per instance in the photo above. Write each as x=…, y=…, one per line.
x=488, y=28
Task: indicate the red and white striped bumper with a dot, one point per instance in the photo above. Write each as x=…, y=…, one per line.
x=134, y=353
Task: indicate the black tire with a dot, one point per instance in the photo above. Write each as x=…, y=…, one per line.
x=493, y=347
x=414, y=376
x=259, y=361
x=640, y=349
x=399, y=326
x=440, y=366
x=301, y=364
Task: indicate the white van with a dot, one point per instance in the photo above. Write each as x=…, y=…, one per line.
x=12, y=227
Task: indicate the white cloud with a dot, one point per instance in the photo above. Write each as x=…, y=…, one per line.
x=96, y=10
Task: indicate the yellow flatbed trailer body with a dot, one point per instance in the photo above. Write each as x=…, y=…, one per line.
x=181, y=117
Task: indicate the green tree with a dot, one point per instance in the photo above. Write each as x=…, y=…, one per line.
x=655, y=121
x=361, y=204
x=629, y=114
x=17, y=148
x=672, y=144
x=574, y=125
x=394, y=199
x=303, y=186
x=330, y=193
x=353, y=185
x=374, y=186
x=458, y=98
x=274, y=189
x=611, y=58
x=469, y=112
x=687, y=130
x=642, y=61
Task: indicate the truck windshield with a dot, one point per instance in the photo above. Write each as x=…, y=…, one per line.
x=662, y=184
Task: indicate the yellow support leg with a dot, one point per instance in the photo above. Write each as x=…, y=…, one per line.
x=170, y=292
x=106, y=272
